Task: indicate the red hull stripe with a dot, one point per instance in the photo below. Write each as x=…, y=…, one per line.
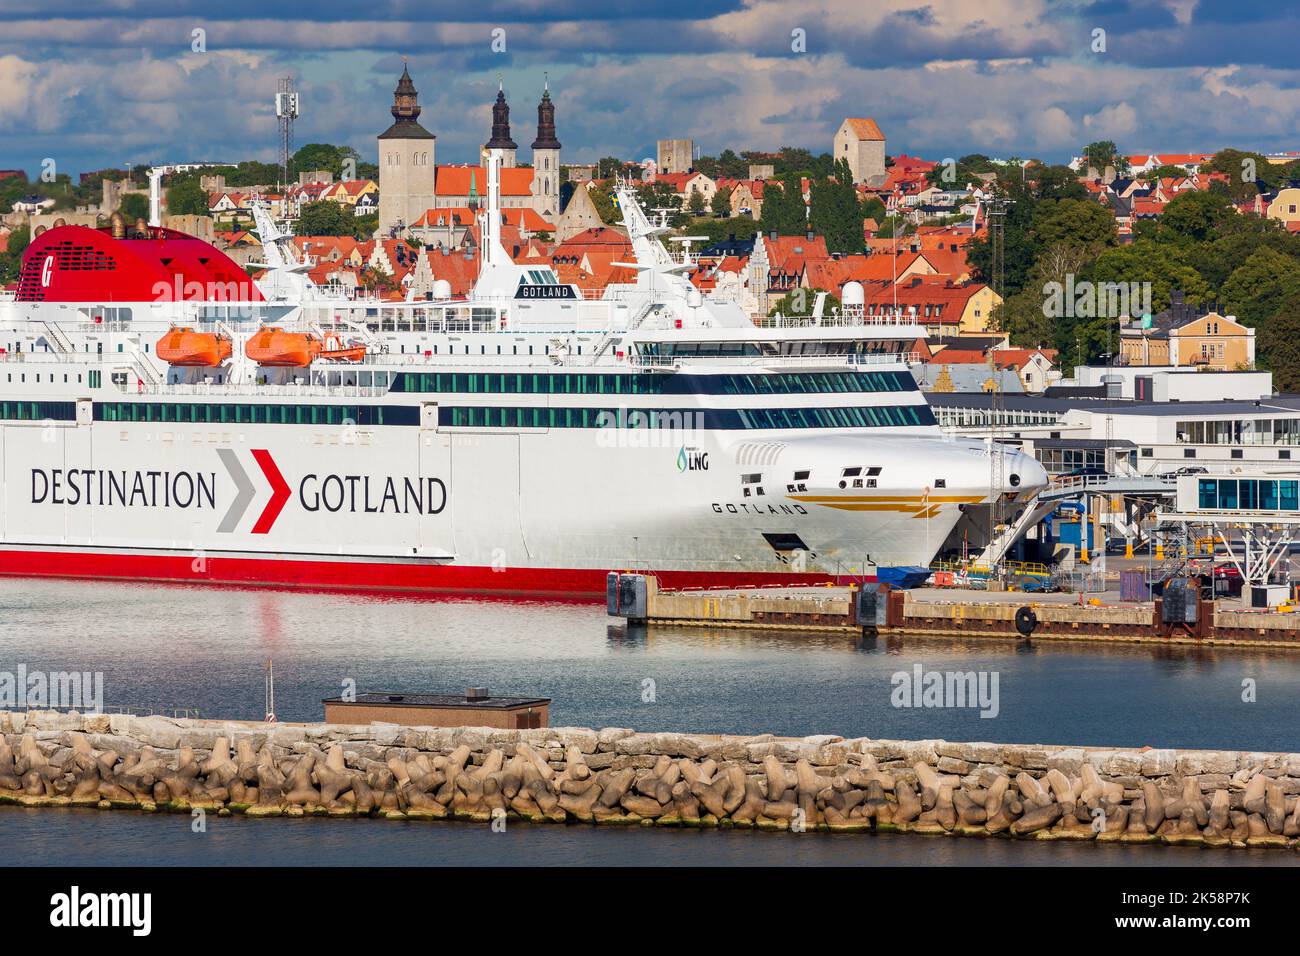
x=363, y=575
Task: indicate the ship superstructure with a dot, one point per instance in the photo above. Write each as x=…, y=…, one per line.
x=165, y=417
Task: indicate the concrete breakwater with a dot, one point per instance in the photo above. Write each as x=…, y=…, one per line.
x=618, y=776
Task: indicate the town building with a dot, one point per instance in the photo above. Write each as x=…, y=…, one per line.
x=1187, y=335
x=861, y=143
x=411, y=183
x=675, y=155
x=406, y=162
x=546, y=160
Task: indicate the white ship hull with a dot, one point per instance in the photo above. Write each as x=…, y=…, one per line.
x=418, y=507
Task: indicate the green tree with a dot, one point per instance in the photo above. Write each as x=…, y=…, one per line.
x=325, y=218
x=696, y=203
x=1260, y=285
x=609, y=167
x=602, y=197
x=721, y=204
x=1248, y=173
x=1279, y=344
x=836, y=212
x=783, y=207
x=187, y=198
x=1053, y=182
x=1077, y=221
x=1158, y=263
x=19, y=240
x=135, y=206
x=316, y=156
x=1234, y=242
x=1164, y=172
x=1021, y=315
x=1104, y=153
x=1194, y=216
x=251, y=174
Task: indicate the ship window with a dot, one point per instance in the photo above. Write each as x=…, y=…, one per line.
x=1287, y=496
x=851, y=472
x=801, y=476
x=874, y=470
x=1227, y=493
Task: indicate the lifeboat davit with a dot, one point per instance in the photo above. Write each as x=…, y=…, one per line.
x=272, y=346
x=336, y=350
x=184, y=346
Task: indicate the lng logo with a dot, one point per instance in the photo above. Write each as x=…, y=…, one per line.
x=692, y=459
x=245, y=491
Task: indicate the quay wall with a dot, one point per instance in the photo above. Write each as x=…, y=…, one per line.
x=617, y=776
x=965, y=615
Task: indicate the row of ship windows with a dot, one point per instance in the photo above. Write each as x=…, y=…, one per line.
x=730, y=419
x=477, y=416
x=38, y=411
x=530, y=383
x=248, y=414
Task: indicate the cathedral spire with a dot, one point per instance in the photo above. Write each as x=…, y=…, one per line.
x=500, y=122
x=406, y=110
x=546, y=121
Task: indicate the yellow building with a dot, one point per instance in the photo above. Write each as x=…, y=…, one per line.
x=1215, y=341
x=1212, y=341
x=943, y=308
x=1285, y=206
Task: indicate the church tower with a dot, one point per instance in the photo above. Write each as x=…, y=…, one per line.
x=501, y=141
x=546, y=161
x=406, y=164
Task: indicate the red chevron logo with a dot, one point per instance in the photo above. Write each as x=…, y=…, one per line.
x=279, y=491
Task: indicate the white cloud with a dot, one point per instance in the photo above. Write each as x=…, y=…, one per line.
x=15, y=88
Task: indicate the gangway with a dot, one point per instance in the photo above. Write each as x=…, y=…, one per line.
x=1002, y=540
x=1138, y=486
x=1255, y=517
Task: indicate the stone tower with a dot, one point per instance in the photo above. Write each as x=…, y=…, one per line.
x=861, y=144
x=501, y=141
x=546, y=161
x=406, y=164
x=578, y=216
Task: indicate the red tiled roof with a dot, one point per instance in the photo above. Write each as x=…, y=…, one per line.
x=455, y=181
x=865, y=128
x=924, y=296
x=790, y=253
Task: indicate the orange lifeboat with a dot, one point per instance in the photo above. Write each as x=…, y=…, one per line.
x=184, y=346
x=336, y=350
x=272, y=346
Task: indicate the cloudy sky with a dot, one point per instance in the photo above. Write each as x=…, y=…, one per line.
x=122, y=84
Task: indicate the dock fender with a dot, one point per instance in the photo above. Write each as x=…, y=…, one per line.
x=1026, y=621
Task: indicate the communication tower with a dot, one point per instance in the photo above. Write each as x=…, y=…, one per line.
x=286, y=111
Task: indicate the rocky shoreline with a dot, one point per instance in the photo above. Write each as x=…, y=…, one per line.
x=617, y=776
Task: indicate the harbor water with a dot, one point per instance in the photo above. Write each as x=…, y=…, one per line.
x=205, y=649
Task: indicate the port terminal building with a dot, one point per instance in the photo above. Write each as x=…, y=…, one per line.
x=1138, y=421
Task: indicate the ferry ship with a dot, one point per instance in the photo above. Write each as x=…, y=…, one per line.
x=166, y=417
